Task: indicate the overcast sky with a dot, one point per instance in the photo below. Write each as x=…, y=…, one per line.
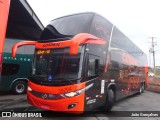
x=137, y=19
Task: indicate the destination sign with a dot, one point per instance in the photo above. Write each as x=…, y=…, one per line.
x=40, y=52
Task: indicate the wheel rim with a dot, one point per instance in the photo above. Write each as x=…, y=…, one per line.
x=20, y=88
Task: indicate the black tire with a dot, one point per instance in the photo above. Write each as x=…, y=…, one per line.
x=141, y=89
x=19, y=87
x=109, y=100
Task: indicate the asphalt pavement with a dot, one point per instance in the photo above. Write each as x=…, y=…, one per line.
x=148, y=102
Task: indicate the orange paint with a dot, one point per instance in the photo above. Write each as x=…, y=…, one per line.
x=82, y=38
x=4, y=11
x=14, y=48
x=60, y=104
x=55, y=45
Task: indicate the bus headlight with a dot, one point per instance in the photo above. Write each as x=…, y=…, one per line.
x=29, y=89
x=71, y=94
x=78, y=92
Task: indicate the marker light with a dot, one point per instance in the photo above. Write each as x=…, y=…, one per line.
x=29, y=89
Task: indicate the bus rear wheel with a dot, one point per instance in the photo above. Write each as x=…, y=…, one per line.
x=109, y=100
x=142, y=87
x=19, y=87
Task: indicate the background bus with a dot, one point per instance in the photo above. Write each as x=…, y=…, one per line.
x=13, y=24
x=15, y=71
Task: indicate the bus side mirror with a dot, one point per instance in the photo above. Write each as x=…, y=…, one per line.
x=19, y=44
x=84, y=38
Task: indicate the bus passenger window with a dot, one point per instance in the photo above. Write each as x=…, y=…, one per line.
x=92, y=68
x=95, y=66
x=10, y=69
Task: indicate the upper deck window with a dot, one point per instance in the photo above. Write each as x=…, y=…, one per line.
x=68, y=26
x=101, y=27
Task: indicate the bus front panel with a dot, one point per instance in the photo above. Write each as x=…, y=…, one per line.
x=68, y=98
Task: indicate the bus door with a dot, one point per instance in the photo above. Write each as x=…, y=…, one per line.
x=95, y=96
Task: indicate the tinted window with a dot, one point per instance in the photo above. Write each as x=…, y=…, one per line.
x=101, y=27
x=119, y=40
x=100, y=50
x=116, y=59
x=57, y=64
x=74, y=24
x=10, y=69
x=68, y=26
x=95, y=66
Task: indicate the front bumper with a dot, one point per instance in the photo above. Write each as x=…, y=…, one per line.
x=60, y=105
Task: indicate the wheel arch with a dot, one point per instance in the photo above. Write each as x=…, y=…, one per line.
x=18, y=79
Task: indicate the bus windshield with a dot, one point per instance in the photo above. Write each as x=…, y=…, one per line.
x=72, y=25
x=67, y=26
x=57, y=64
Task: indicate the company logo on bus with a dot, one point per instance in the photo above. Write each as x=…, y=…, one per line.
x=51, y=44
x=44, y=96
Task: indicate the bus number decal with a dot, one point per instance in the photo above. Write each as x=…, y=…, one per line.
x=91, y=101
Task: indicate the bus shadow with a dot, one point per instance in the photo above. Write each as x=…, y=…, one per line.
x=127, y=98
x=5, y=93
x=2, y=93
x=46, y=113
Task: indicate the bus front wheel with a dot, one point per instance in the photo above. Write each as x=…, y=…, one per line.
x=19, y=87
x=109, y=100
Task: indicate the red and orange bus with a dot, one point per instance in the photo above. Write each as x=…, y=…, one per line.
x=83, y=62
x=4, y=11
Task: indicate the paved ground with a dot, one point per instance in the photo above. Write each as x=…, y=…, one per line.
x=148, y=101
